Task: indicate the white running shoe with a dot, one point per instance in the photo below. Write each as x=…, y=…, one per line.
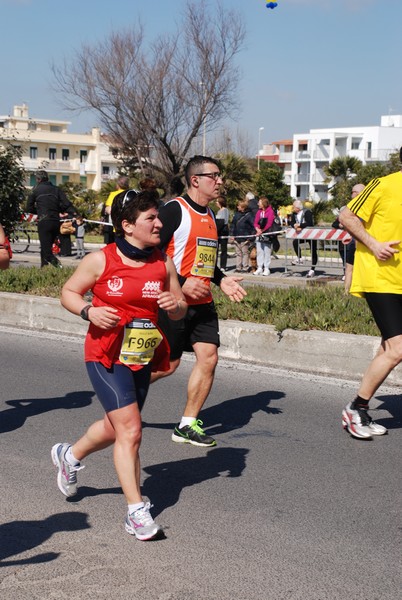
x=310, y=274
x=359, y=423
x=258, y=272
x=141, y=524
x=66, y=473
x=298, y=261
x=266, y=272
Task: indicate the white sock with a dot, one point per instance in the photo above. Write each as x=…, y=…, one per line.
x=187, y=421
x=70, y=458
x=133, y=507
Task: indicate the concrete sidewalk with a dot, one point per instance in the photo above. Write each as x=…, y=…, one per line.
x=316, y=352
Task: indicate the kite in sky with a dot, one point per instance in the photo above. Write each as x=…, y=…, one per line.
x=271, y=4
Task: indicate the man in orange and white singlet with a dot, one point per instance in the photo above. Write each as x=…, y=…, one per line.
x=189, y=236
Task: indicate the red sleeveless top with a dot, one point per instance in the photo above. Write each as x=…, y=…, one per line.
x=134, y=292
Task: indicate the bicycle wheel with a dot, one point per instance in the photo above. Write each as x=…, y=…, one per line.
x=20, y=241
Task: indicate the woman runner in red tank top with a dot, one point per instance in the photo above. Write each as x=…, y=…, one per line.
x=130, y=280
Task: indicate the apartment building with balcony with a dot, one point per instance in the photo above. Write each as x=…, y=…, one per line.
x=67, y=157
x=304, y=157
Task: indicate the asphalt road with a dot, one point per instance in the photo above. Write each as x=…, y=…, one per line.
x=287, y=506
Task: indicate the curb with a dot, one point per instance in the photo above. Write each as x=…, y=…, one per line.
x=340, y=355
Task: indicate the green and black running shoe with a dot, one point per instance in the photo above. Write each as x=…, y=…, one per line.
x=192, y=434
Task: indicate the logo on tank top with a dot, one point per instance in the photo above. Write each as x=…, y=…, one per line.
x=151, y=289
x=115, y=284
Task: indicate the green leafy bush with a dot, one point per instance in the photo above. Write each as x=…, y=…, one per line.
x=322, y=308
x=37, y=282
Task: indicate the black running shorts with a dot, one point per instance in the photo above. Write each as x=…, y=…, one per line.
x=199, y=325
x=387, y=313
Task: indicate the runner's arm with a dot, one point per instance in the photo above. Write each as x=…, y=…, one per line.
x=4, y=254
x=354, y=225
x=172, y=299
x=170, y=216
x=82, y=280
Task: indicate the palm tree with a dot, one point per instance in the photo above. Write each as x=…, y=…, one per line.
x=236, y=177
x=341, y=168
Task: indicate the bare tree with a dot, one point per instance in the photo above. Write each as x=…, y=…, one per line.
x=153, y=101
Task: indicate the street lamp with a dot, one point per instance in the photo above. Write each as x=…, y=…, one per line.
x=204, y=118
x=259, y=146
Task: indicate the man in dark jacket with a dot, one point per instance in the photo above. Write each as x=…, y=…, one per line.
x=242, y=234
x=301, y=218
x=48, y=202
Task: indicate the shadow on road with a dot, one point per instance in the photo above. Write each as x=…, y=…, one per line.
x=85, y=491
x=15, y=417
x=166, y=480
x=393, y=404
x=20, y=536
x=232, y=414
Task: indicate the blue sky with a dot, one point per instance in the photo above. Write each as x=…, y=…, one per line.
x=306, y=64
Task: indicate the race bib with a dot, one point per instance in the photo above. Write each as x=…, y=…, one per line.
x=141, y=338
x=205, y=258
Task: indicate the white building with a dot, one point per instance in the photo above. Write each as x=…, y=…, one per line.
x=303, y=159
x=46, y=144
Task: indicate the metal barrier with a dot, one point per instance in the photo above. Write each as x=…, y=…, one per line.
x=327, y=240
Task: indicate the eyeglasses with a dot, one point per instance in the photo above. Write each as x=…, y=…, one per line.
x=216, y=175
x=129, y=195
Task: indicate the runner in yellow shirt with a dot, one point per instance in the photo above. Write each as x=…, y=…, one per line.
x=374, y=219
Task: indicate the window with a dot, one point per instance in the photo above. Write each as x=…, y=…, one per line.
x=53, y=179
x=83, y=180
x=56, y=128
x=65, y=154
x=65, y=178
x=83, y=155
x=31, y=126
x=32, y=180
x=105, y=170
x=52, y=153
x=355, y=144
x=33, y=152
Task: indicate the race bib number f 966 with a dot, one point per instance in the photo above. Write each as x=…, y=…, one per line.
x=205, y=258
x=141, y=338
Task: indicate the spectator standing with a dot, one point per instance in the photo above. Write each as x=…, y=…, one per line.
x=347, y=250
x=242, y=233
x=252, y=203
x=122, y=184
x=79, y=227
x=222, y=223
x=263, y=221
x=190, y=237
x=48, y=202
x=300, y=219
x=373, y=218
x=66, y=230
